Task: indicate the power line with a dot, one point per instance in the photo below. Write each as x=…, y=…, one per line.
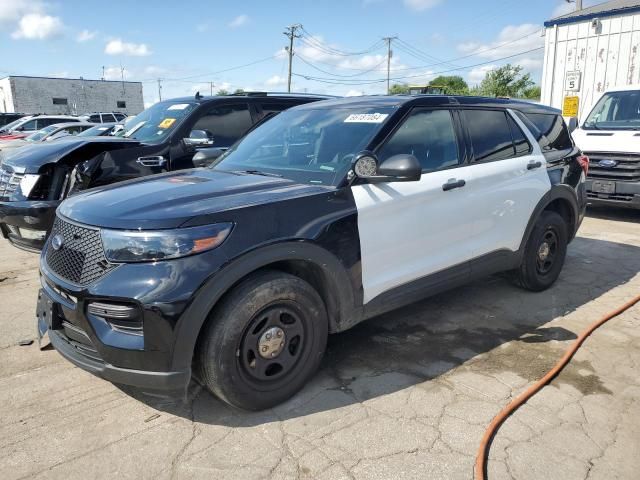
x=313, y=42
x=360, y=71
x=382, y=80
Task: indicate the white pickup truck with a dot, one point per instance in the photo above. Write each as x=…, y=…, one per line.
x=610, y=137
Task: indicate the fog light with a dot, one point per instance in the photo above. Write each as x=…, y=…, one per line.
x=122, y=318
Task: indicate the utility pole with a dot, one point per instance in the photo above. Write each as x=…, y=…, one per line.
x=291, y=33
x=389, y=53
x=159, y=89
x=211, y=85
x=103, y=72
x=122, y=76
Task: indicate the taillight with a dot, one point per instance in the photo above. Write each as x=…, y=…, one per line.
x=583, y=160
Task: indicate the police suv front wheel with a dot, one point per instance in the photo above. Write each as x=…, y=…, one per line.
x=264, y=341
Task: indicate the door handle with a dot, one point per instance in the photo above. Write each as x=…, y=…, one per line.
x=533, y=165
x=453, y=183
x=152, y=161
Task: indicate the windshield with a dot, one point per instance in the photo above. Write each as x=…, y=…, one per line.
x=96, y=131
x=307, y=146
x=154, y=124
x=40, y=134
x=615, y=111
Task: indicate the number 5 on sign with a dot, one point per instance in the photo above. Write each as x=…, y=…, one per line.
x=570, y=106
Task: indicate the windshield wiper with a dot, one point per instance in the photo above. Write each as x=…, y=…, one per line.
x=258, y=172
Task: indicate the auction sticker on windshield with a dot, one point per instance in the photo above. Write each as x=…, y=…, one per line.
x=178, y=106
x=366, y=118
x=167, y=122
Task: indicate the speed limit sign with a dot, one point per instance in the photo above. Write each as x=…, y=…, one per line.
x=572, y=81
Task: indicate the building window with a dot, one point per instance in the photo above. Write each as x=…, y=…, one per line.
x=122, y=104
x=60, y=101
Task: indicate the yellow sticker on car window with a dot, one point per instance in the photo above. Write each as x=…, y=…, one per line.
x=167, y=122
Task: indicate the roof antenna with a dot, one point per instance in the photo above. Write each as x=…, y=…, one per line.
x=198, y=96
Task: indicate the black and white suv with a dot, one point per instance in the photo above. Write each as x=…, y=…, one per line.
x=331, y=213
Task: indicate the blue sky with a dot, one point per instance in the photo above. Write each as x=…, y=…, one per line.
x=188, y=43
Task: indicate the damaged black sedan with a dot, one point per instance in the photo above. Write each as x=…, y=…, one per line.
x=165, y=137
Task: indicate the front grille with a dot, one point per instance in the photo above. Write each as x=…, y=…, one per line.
x=9, y=181
x=627, y=168
x=80, y=259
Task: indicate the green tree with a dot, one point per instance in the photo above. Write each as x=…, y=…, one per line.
x=455, y=84
x=532, y=93
x=399, y=89
x=506, y=81
x=222, y=91
x=238, y=91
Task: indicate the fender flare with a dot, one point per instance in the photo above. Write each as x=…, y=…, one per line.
x=558, y=191
x=340, y=291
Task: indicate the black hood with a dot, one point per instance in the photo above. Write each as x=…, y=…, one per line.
x=34, y=157
x=169, y=200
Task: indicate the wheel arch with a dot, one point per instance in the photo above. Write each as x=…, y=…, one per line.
x=561, y=199
x=306, y=260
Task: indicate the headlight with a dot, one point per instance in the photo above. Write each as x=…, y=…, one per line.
x=27, y=183
x=148, y=246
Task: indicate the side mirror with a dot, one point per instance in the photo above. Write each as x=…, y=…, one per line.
x=206, y=156
x=398, y=168
x=573, y=124
x=198, y=138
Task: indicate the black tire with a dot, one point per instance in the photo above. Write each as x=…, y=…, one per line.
x=538, y=271
x=266, y=305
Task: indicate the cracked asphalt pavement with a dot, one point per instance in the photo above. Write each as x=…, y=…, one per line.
x=406, y=395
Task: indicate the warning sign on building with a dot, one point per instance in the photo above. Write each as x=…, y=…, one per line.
x=570, y=106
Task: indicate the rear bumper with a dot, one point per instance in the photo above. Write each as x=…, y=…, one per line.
x=23, y=222
x=627, y=195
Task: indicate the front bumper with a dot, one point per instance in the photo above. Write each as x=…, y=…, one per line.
x=626, y=195
x=22, y=217
x=152, y=360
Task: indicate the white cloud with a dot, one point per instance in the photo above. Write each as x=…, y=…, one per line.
x=421, y=5
x=12, y=10
x=118, y=47
x=476, y=75
x=239, y=21
x=114, y=73
x=275, y=81
x=85, y=35
x=36, y=26
x=354, y=93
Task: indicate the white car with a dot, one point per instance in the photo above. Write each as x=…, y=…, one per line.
x=610, y=137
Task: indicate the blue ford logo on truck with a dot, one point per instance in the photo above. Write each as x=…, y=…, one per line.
x=607, y=163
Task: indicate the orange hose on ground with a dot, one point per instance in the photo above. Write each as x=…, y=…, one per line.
x=485, y=444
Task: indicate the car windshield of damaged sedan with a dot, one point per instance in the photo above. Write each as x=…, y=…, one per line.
x=314, y=146
x=155, y=123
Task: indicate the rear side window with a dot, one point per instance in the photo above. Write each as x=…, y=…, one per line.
x=429, y=135
x=275, y=107
x=520, y=142
x=225, y=124
x=490, y=135
x=95, y=119
x=554, y=129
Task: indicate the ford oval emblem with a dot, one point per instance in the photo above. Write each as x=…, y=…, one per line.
x=607, y=163
x=57, y=242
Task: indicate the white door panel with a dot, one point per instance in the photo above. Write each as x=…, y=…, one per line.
x=409, y=230
x=505, y=193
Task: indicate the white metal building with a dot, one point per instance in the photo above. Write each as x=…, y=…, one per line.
x=589, y=51
x=69, y=95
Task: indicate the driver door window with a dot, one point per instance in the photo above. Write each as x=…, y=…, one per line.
x=429, y=135
x=223, y=124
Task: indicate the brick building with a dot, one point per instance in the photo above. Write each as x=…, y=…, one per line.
x=69, y=95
